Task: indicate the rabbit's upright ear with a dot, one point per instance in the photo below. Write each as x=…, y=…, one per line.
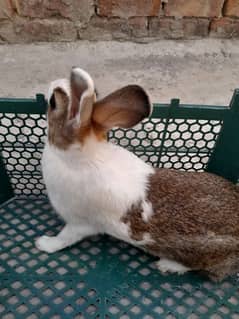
x=82, y=96
x=123, y=108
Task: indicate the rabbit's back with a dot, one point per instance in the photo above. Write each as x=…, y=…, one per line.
x=191, y=203
x=195, y=203
x=195, y=217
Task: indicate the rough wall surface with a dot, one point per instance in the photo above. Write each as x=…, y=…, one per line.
x=23, y=21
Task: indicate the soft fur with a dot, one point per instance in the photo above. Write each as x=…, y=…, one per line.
x=195, y=221
x=189, y=219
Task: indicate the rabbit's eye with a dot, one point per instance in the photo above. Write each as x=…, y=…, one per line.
x=52, y=102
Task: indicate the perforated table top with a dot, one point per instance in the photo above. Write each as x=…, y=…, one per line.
x=99, y=277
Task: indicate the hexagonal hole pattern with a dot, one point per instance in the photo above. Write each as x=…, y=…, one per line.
x=189, y=143
x=187, y=146
x=144, y=139
x=22, y=137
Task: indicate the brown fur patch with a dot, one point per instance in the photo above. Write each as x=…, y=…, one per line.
x=59, y=133
x=195, y=221
x=62, y=133
x=63, y=112
x=99, y=131
x=85, y=131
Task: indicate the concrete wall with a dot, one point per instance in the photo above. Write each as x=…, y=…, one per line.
x=23, y=21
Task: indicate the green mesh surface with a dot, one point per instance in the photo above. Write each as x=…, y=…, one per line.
x=100, y=277
x=21, y=138
x=186, y=145
x=179, y=143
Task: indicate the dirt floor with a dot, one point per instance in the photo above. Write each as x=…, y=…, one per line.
x=202, y=71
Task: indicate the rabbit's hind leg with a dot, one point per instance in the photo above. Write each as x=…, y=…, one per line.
x=171, y=266
x=227, y=267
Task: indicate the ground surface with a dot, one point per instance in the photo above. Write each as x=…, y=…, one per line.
x=203, y=71
x=100, y=277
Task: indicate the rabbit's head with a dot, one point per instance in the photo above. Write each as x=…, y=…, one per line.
x=74, y=113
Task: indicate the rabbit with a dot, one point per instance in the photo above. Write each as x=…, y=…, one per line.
x=188, y=220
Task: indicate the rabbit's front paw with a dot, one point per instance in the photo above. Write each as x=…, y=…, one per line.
x=171, y=266
x=49, y=244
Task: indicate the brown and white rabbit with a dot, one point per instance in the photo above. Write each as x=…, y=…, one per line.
x=190, y=220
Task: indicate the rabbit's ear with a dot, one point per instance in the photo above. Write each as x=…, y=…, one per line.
x=123, y=108
x=59, y=95
x=82, y=96
x=59, y=100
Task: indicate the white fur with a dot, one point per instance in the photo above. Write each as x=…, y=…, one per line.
x=69, y=235
x=147, y=211
x=166, y=265
x=92, y=186
x=147, y=239
x=95, y=185
x=80, y=73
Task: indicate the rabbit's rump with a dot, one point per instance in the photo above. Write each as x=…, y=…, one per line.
x=195, y=221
